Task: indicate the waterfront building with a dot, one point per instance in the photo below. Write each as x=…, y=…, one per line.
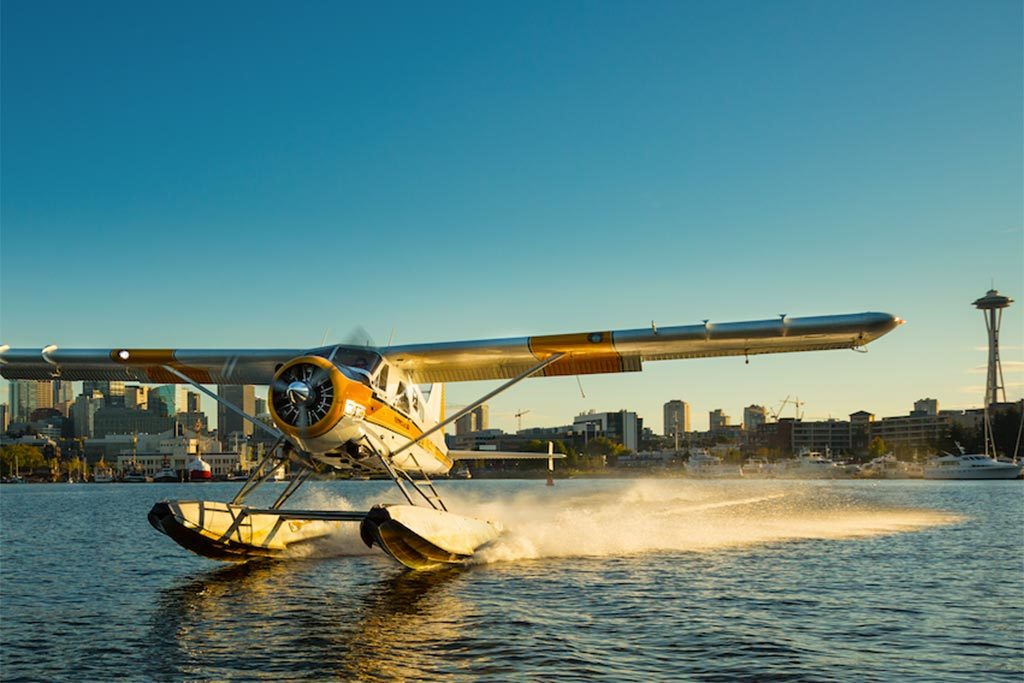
x=913, y=429
x=243, y=397
x=819, y=435
x=221, y=463
x=676, y=415
x=561, y=432
x=860, y=430
x=926, y=406
x=622, y=426
x=120, y=420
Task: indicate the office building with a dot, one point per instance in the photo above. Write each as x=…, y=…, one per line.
x=166, y=400
x=676, y=415
x=753, y=417
x=242, y=397
x=136, y=397
x=83, y=413
x=27, y=395
x=622, y=426
x=113, y=392
x=718, y=419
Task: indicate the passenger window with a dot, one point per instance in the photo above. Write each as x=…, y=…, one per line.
x=382, y=378
x=402, y=399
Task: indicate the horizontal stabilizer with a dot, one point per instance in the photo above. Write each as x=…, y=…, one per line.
x=501, y=455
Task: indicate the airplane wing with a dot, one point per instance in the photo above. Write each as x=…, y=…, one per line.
x=584, y=353
x=230, y=366
x=626, y=350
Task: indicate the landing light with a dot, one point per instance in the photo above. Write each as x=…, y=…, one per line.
x=353, y=409
x=123, y=354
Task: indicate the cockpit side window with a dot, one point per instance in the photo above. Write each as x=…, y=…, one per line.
x=402, y=398
x=382, y=378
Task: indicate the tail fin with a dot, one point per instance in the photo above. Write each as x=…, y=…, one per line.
x=434, y=406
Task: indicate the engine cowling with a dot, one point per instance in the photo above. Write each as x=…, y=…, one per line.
x=310, y=399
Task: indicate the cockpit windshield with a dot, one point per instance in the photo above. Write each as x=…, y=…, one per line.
x=364, y=362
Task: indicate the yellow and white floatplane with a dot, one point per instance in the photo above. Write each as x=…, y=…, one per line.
x=381, y=410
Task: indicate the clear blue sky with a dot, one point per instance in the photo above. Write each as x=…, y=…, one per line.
x=252, y=174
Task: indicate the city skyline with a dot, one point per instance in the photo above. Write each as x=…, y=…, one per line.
x=597, y=184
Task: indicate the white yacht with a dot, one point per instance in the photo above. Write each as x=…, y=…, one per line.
x=970, y=466
x=885, y=467
x=102, y=473
x=703, y=465
x=810, y=465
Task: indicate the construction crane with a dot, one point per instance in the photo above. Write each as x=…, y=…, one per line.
x=797, y=403
x=519, y=419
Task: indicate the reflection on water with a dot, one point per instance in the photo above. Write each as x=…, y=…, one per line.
x=267, y=617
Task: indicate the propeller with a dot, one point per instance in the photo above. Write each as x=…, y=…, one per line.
x=302, y=394
x=358, y=336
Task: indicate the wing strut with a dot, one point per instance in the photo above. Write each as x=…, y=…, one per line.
x=480, y=401
x=227, y=404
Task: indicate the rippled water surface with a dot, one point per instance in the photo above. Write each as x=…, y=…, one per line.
x=595, y=580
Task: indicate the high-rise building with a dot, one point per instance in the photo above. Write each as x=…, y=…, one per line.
x=753, y=417
x=261, y=406
x=677, y=417
x=192, y=402
x=167, y=399
x=718, y=419
x=243, y=397
x=465, y=424
x=113, y=392
x=473, y=421
x=5, y=416
x=28, y=395
x=136, y=397
x=63, y=392
x=83, y=413
x=482, y=414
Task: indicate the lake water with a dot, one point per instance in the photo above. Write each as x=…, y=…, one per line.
x=595, y=580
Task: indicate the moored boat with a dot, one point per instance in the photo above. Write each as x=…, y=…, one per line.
x=703, y=465
x=102, y=473
x=199, y=470
x=970, y=466
x=810, y=465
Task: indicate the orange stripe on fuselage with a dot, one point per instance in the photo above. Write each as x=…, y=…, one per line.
x=383, y=415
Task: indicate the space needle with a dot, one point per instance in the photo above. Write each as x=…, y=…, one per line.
x=991, y=305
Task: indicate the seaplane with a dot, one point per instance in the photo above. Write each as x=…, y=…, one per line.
x=373, y=410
